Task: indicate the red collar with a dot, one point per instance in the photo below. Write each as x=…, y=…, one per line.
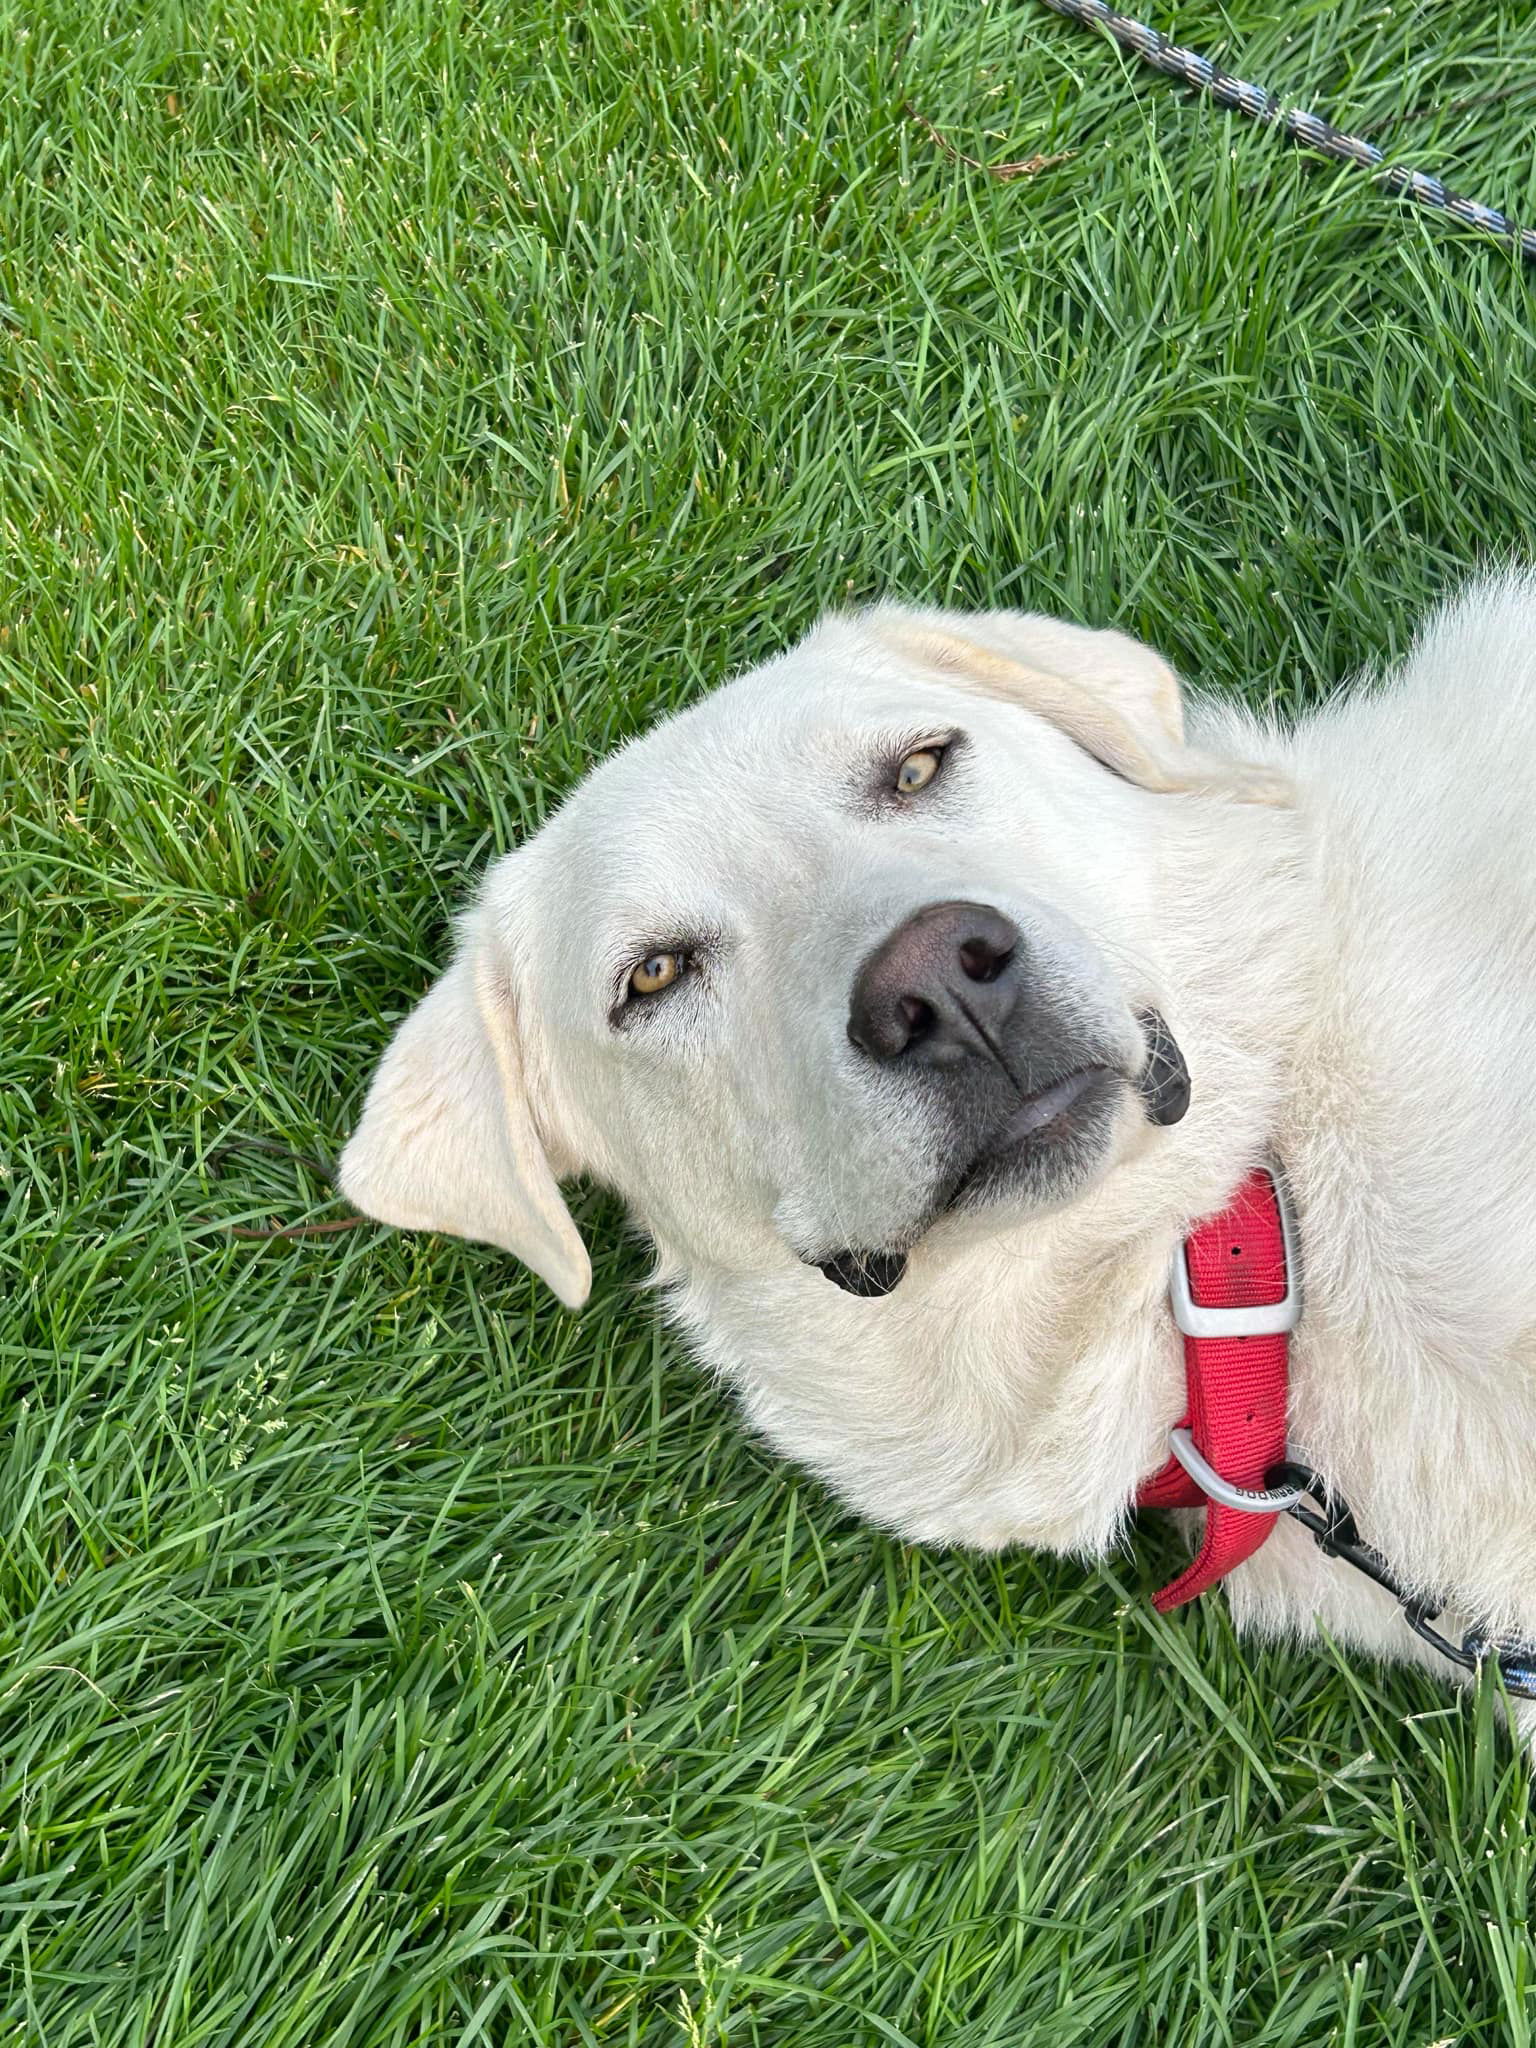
x=1236, y=1297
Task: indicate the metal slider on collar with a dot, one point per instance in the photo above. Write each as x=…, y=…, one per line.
x=1263, y=1319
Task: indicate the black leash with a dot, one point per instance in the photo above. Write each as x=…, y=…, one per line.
x=1336, y=1535
x=1310, y=130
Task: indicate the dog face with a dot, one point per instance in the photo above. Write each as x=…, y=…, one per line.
x=860, y=952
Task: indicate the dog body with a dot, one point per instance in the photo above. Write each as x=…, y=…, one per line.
x=723, y=980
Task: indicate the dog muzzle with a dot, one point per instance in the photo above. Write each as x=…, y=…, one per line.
x=1163, y=1087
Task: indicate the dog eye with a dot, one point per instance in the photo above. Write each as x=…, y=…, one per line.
x=918, y=770
x=656, y=972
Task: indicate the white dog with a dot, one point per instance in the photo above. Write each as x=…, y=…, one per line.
x=883, y=968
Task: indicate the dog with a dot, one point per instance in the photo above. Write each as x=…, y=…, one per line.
x=921, y=990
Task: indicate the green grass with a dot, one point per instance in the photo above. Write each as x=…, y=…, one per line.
x=400, y=405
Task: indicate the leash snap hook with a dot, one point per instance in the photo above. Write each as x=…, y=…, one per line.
x=1335, y=1533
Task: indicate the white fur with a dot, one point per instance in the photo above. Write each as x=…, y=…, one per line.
x=1350, y=977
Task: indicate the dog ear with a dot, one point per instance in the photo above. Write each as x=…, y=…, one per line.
x=1116, y=697
x=447, y=1139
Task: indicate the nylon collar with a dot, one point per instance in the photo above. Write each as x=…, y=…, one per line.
x=1236, y=1298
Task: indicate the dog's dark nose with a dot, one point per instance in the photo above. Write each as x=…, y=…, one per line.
x=923, y=991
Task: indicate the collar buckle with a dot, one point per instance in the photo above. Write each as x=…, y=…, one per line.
x=1266, y=1319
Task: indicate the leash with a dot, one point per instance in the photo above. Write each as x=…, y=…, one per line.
x=1235, y=1294
x=1310, y=130
x=1335, y=1534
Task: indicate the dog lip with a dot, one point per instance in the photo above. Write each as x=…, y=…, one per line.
x=1045, y=1105
x=1031, y=1120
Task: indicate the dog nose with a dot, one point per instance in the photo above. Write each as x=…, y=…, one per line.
x=928, y=985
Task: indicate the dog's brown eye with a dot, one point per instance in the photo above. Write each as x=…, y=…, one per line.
x=918, y=770
x=656, y=972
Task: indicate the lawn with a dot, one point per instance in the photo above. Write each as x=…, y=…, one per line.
x=401, y=404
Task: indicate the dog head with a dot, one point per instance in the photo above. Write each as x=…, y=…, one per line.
x=861, y=950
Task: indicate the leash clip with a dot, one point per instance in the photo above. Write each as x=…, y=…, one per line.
x=1336, y=1535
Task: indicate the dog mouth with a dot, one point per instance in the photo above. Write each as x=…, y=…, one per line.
x=1059, y=1117
x=1056, y=1126
x=1049, y=1105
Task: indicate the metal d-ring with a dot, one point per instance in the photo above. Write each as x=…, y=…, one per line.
x=1245, y=1499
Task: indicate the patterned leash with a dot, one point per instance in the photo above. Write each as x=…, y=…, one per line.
x=1308, y=129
